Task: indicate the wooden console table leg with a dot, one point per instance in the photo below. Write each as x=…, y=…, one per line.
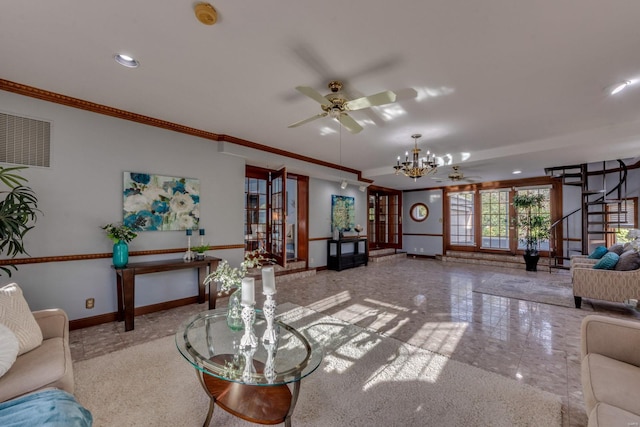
x=202, y=274
x=120, y=314
x=128, y=284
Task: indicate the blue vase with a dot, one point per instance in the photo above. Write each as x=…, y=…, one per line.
x=120, y=254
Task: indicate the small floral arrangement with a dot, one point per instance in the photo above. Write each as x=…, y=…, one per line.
x=200, y=249
x=119, y=231
x=231, y=277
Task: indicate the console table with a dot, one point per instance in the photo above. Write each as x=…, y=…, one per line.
x=126, y=282
x=347, y=253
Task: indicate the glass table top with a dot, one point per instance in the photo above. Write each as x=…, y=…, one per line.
x=212, y=347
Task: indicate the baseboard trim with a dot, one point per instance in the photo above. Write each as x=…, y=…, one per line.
x=112, y=317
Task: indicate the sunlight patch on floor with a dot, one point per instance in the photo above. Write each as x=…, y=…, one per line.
x=329, y=302
x=442, y=337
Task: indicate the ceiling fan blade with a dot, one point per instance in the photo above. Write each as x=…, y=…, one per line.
x=310, y=119
x=350, y=124
x=381, y=98
x=313, y=94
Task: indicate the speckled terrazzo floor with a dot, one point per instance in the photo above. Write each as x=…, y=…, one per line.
x=429, y=304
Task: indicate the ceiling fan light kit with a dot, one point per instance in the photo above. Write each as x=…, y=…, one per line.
x=336, y=105
x=416, y=167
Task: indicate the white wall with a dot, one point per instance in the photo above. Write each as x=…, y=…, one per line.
x=82, y=190
x=429, y=240
x=320, y=192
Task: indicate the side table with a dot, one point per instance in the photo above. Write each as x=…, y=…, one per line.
x=259, y=385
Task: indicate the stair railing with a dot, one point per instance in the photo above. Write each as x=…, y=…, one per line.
x=554, y=229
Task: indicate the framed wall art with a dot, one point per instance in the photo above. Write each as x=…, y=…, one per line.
x=343, y=213
x=160, y=203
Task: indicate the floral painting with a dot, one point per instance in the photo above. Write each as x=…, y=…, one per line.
x=343, y=212
x=156, y=202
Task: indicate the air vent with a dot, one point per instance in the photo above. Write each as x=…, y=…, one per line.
x=24, y=141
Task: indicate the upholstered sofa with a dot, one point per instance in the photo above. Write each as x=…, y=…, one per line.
x=48, y=365
x=606, y=285
x=610, y=367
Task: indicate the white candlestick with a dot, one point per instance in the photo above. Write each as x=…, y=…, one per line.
x=248, y=291
x=268, y=281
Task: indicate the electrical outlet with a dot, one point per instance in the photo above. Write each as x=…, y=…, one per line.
x=90, y=303
x=421, y=250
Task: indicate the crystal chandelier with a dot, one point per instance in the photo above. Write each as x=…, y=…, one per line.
x=416, y=167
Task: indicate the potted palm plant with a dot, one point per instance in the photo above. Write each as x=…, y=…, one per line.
x=18, y=213
x=533, y=226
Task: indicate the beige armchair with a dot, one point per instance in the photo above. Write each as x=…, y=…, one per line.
x=610, y=367
x=48, y=365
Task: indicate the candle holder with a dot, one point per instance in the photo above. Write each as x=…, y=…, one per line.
x=270, y=335
x=269, y=369
x=249, y=338
x=188, y=256
x=249, y=371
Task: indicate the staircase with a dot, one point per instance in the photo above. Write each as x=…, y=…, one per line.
x=602, y=210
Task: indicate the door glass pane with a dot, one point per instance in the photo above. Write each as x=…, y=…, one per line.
x=495, y=219
x=545, y=211
x=255, y=223
x=371, y=229
x=461, y=218
x=292, y=219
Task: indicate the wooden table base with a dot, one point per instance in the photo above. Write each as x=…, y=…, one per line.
x=253, y=403
x=260, y=404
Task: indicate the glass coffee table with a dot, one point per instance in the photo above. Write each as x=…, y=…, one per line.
x=260, y=385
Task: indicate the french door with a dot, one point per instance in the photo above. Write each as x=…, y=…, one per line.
x=276, y=214
x=385, y=218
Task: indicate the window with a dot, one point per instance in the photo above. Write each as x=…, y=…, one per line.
x=461, y=211
x=545, y=211
x=495, y=219
x=621, y=216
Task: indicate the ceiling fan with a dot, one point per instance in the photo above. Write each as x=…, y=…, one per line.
x=336, y=104
x=456, y=176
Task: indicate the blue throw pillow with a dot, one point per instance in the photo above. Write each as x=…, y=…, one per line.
x=608, y=261
x=598, y=252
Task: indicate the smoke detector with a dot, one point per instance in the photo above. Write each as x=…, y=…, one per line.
x=206, y=13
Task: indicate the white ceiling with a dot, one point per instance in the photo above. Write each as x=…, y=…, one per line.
x=514, y=85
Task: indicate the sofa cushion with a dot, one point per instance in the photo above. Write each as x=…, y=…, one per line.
x=8, y=349
x=16, y=315
x=617, y=249
x=598, y=252
x=45, y=366
x=629, y=260
x=608, y=380
x=607, y=262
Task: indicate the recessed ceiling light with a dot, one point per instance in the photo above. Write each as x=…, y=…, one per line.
x=126, y=60
x=516, y=172
x=618, y=87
